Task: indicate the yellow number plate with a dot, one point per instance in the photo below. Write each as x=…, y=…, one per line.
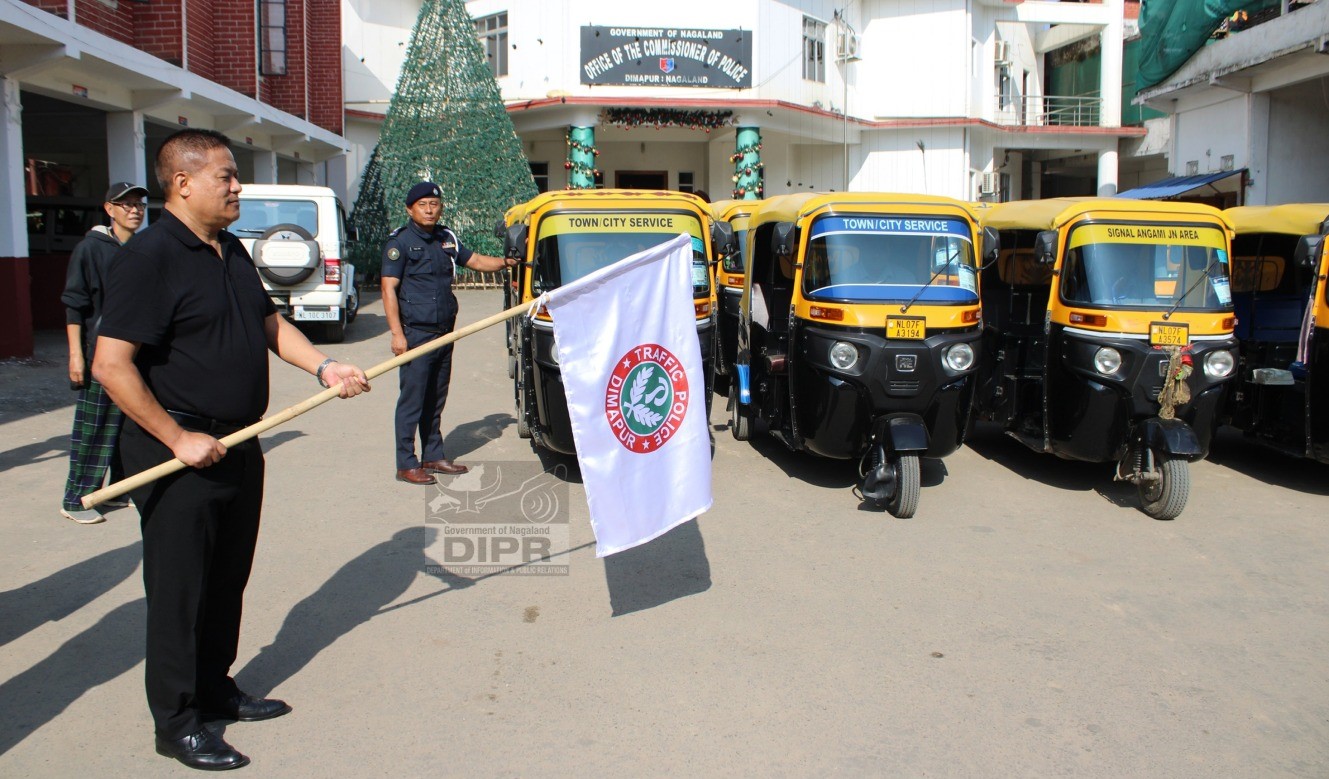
x=1161, y=334
x=907, y=328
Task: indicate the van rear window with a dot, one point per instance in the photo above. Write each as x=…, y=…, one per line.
x=257, y=215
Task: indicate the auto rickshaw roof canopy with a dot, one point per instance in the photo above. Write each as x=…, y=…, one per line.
x=1289, y=219
x=792, y=207
x=600, y=199
x=1054, y=213
x=728, y=209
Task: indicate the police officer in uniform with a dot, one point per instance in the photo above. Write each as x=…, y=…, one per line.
x=418, y=262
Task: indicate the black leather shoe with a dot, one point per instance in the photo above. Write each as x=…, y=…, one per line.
x=444, y=466
x=203, y=750
x=246, y=708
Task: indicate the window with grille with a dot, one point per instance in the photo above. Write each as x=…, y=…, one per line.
x=492, y=31
x=540, y=172
x=814, y=49
x=272, y=37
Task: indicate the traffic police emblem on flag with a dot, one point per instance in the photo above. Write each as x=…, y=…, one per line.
x=630, y=359
x=647, y=398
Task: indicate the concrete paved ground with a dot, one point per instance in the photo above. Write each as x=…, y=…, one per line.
x=1028, y=622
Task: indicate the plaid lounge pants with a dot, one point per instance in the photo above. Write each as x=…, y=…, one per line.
x=92, y=443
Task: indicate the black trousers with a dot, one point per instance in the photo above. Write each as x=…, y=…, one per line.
x=424, y=391
x=199, y=531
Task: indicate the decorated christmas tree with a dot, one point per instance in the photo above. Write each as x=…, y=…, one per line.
x=446, y=123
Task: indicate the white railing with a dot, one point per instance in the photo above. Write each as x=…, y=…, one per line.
x=469, y=279
x=1050, y=110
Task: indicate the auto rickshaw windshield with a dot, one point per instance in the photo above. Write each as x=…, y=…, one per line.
x=1155, y=266
x=876, y=259
x=570, y=247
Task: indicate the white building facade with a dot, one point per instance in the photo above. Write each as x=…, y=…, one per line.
x=1256, y=105
x=941, y=97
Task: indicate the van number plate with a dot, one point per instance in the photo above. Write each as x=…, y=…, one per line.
x=303, y=314
x=1163, y=334
x=906, y=328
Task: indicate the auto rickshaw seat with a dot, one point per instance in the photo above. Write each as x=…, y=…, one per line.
x=780, y=293
x=1027, y=286
x=1270, y=318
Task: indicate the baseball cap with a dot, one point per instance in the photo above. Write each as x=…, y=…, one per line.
x=422, y=189
x=123, y=189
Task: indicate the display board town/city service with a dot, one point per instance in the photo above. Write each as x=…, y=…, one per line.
x=666, y=57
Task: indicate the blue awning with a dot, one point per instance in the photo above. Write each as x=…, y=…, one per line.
x=1175, y=186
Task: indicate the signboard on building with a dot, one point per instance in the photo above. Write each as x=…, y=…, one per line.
x=666, y=57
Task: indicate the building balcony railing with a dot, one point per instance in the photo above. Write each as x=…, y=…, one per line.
x=1049, y=110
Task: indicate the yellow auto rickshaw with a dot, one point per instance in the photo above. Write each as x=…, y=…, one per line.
x=858, y=332
x=1108, y=335
x=1279, y=267
x=729, y=288
x=564, y=235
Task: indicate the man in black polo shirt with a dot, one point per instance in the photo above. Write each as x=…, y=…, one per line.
x=182, y=351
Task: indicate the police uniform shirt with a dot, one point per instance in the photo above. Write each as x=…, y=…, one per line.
x=199, y=319
x=424, y=262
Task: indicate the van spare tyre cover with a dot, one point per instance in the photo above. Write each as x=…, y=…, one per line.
x=286, y=254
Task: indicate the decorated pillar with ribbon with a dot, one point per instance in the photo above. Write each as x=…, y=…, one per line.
x=748, y=177
x=581, y=158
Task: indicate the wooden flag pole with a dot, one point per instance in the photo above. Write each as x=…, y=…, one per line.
x=263, y=425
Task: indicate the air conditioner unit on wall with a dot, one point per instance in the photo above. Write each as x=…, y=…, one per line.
x=990, y=183
x=846, y=47
x=1002, y=51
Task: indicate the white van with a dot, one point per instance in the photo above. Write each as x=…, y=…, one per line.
x=298, y=238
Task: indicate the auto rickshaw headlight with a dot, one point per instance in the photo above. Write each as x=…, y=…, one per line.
x=1107, y=361
x=843, y=355
x=1218, y=364
x=960, y=357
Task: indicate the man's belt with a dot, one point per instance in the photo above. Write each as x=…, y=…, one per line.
x=200, y=424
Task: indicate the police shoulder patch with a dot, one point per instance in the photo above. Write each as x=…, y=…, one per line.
x=393, y=234
x=393, y=253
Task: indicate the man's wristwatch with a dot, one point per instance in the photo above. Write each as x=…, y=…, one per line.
x=318, y=373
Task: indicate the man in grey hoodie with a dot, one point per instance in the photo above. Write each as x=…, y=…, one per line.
x=96, y=419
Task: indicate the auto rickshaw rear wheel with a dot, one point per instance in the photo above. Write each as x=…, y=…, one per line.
x=904, y=502
x=1165, y=497
x=512, y=350
x=740, y=421
x=523, y=429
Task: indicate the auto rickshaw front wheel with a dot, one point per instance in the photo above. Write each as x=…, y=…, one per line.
x=904, y=502
x=891, y=480
x=1163, y=492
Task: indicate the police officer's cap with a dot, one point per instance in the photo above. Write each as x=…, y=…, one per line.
x=422, y=189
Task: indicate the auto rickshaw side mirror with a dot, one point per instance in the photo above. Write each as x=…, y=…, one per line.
x=782, y=239
x=723, y=242
x=514, y=244
x=1045, y=247
x=991, y=244
x=500, y=227
x=1309, y=250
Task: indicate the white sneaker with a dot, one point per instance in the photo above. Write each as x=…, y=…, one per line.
x=83, y=516
x=116, y=503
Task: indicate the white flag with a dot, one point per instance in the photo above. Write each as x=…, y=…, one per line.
x=632, y=371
